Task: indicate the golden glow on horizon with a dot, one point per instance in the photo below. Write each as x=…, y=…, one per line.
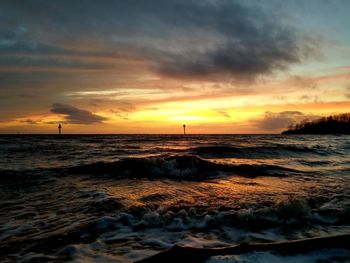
x=171, y=116
x=163, y=105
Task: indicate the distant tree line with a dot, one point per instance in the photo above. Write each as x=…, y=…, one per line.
x=334, y=124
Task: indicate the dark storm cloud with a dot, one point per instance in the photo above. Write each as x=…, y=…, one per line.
x=280, y=120
x=51, y=63
x=75, y=115
x=177, y=38
x=241, y=58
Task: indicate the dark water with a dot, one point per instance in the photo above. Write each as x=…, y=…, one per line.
x=121, y=198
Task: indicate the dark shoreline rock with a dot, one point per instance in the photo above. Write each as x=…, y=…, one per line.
x=199, y=255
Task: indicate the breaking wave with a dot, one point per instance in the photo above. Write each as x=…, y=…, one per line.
x=184, y=167
x=286, y=213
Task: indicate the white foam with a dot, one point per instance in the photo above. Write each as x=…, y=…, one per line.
x=172, y=168
x=199, y=242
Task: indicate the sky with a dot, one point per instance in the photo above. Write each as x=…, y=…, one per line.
x=151, y=66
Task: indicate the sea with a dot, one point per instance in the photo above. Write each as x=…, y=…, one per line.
x=124, y=198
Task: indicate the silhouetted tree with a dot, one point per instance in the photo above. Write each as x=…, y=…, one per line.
x=334, y=124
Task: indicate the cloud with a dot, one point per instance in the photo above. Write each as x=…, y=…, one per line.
x=245, y=60
x=51, y=48
x=347, y=93
x=280, y=120
x=227, y=39
x=223, y=113
x=310, y=98
x=75, y=115
x=303, y=82
x=29, y=121
x=194, y=39
x=123, y=116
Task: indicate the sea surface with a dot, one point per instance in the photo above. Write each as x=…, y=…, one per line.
x=122, y=198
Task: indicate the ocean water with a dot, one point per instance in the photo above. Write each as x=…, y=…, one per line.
x=122, y=198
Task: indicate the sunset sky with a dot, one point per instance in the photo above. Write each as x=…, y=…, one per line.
x=152, y=66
